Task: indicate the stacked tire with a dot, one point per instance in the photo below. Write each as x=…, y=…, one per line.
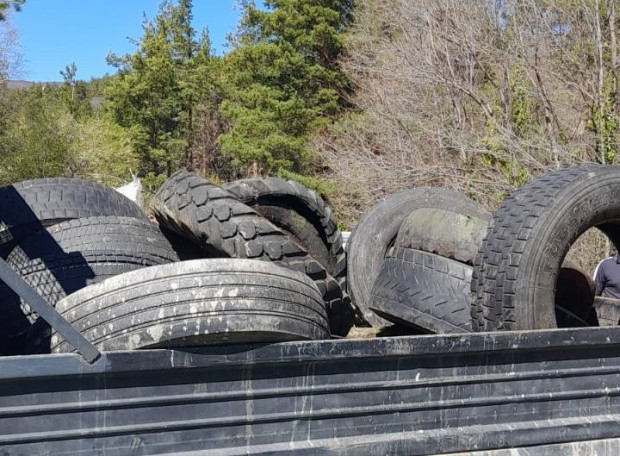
x=266, y=264
x=195, y=303
x=62, y=235
x=438, y=262
x=410, y=259
x=266, y=220
x=515, y=276
x=262, y=260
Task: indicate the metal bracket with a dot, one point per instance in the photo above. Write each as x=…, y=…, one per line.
x=16, y=283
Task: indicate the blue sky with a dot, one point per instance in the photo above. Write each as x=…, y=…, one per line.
x=54, y=33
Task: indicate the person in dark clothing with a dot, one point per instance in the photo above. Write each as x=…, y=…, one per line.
x=607, y=279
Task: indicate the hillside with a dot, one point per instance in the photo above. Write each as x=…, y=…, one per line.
x=21, y=84
x=477, y=96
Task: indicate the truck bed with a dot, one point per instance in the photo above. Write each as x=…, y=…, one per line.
x=547, y=392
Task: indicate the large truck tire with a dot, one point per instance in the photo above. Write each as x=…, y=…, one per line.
x=301, y=213
x=125, y=235
x=55, y=277
x=197, y=302
x=223, y=226
x=431, y=293
x=376, y=233
x=423, y=290
x=26, y=207
x=516, y=269
x=444, y=232
x=66, y=257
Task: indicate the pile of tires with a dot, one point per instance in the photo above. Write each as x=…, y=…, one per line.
x=262, y=260
x=267, y=220
x=62, y=235
x=515, y=276
x=410, y=259
x=437, y=262
x=258, y=260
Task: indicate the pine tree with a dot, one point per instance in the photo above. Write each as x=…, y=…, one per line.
x=282, y=82
x=153, y=94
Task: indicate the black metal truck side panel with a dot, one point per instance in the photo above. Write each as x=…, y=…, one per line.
x=397, y=396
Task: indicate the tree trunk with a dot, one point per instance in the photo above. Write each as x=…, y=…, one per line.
x=600, y=102
x=611, y=9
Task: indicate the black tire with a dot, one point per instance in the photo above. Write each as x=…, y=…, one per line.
x=515, y=271
x=423, y=290
x=124, y=235
x=196, y=303
x=376, y=233
x=185, y=249
x=301, y=213
x=27, y=206
x=57, y=277
x=223, y=226
x=449, y=234
x=431, y=293
x=574, y=299
x=69, y=256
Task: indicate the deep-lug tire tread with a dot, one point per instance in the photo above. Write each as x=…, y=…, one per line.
x=258, y=192
x=218, y=221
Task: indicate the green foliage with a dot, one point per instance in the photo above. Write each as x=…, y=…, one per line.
x=41, y=137
x=172, y=103
x=516, y=174
x=68, y=88
x=605, y=124
x=499, y=158
x=38, y=137
x=281, y=83
x=322, y=187
x=105, y=152
x=153, y=94
x=521, y=103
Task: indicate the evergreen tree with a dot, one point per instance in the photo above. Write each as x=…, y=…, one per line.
x=153, y=94
x=68, y=94
x=282, y=82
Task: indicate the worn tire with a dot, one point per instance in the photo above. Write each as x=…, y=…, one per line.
x=431, y=293
x=574, y=298
x=376, y=233
x=515, y=270
x=184, y=248
x=124, y=235
x=301, y=213
x=71, y=255
x=223, y=226
x=57, y=277
x=449, y=234
x=28, y=206
x=424, y=291
x=195, y=303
